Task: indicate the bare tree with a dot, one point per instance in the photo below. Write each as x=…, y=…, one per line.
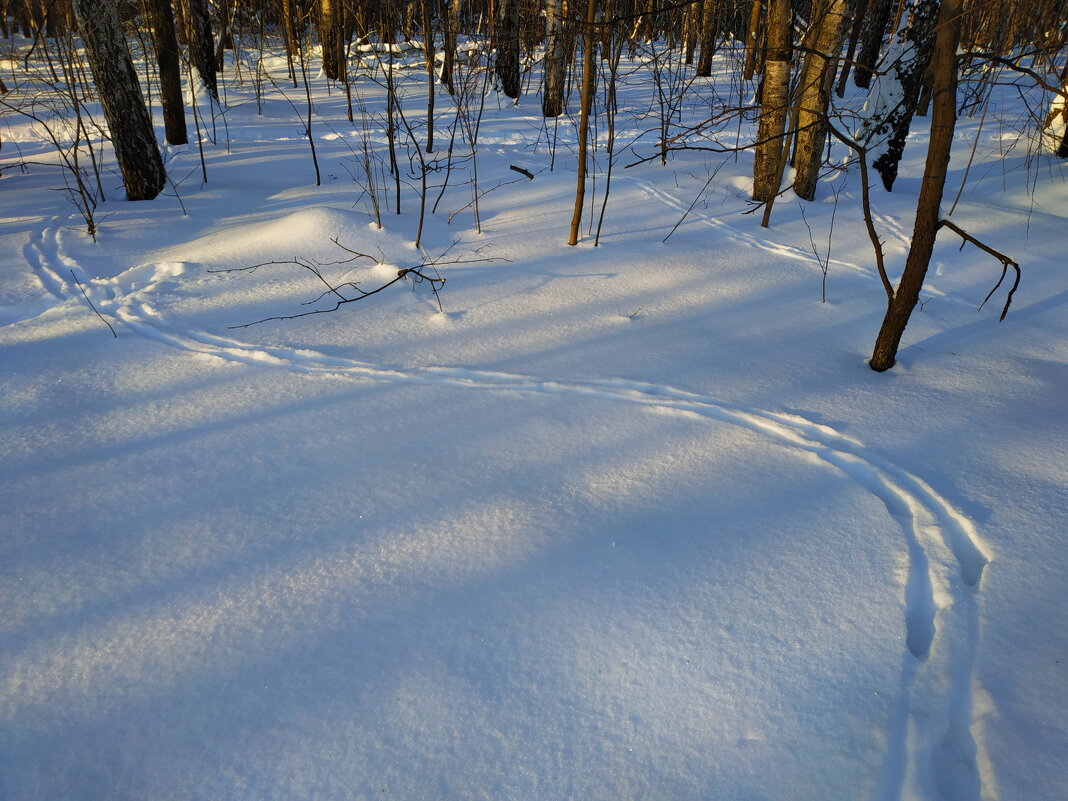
x=506, y=41
x=116, y=82
x=709, y=33
x=201, y=47
x=589, y=45
x=895, y=92
x=165, y=40
x=822, y=44
x=775, y=100
x=873, y=31
x=554, y=61
x=943, y=122
x=331, y=24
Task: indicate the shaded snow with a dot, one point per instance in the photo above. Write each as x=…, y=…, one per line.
x=633, y=521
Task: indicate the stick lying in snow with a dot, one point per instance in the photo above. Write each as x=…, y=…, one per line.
x=416, y=274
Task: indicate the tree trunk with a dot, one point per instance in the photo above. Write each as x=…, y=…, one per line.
x=752, y=38
x=506, y=38
x=589, y=41
x=943, y=121
x=226, y=33
x=448, y=55
x=555, y=63
x=117, y=85
x=871, y=41
x=775, y=100
x=709, y=35
x=331, y=39
x=814, y=93
x=170, y=74
x=428, y=54
x=201, y=49
x=858, y=12
x=895, y=94
x=1055, y=131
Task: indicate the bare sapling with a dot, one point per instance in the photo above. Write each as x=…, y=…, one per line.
x=589, y=45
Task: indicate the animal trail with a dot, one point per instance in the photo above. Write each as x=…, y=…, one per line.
x=938, y=539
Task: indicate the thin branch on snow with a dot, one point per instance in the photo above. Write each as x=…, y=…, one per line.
x=1006, y=263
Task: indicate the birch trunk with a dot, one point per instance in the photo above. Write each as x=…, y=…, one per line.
x=775, y=101
x=814, y=92
x=555, y=63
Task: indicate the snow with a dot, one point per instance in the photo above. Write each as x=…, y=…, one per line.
x=627, y=521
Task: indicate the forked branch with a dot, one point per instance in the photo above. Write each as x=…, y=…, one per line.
x=1006, y=263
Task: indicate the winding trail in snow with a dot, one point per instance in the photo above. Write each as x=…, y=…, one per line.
x=931, y=751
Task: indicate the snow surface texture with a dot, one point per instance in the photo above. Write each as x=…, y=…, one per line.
x=626, y=522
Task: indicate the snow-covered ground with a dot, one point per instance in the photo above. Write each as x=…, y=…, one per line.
x=633, y=521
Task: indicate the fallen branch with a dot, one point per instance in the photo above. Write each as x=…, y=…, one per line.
x=1006, y=263
x=402, y=275
x=350, y=291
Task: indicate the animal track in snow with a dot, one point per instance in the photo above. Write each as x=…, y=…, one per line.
x=946, y=556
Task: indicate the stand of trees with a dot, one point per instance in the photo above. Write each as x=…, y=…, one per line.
x=793, y=56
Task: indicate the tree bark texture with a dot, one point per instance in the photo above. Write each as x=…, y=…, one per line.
x=943, y=122
x=332, y=38
x=201, y=47
x=1055, y=131
x=170, y=71
x=872, y=34
x=857, y=14
x=120, y=95
x=506, y=35
x=709, y=35
x=775, y=100
x=752, y=39
x=895, y=95
x=448, y=54
x=555, y=61
x=814, y=92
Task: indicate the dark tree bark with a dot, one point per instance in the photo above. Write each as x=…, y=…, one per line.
x=332, y=38
x=909, y=57
x=448, y=55
x=871, y=40
x=506, y=36
x=201, y=47
x=858, y=12
x=775, y=100
x=752, y=39
x=117, y=85
x=943, y=122
x=709, y=35
x=554, y=61
x=170, y=77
